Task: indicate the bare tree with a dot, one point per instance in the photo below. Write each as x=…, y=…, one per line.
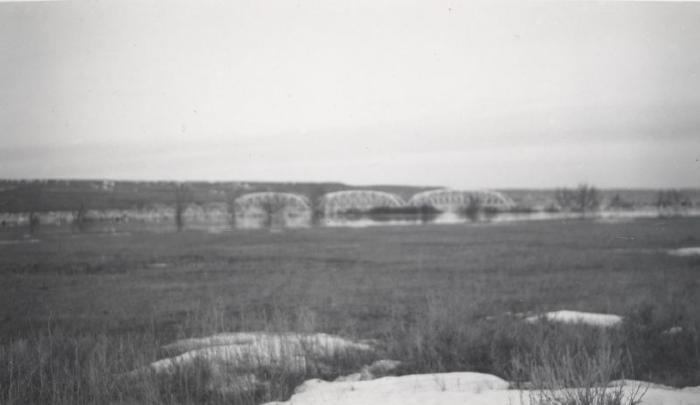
x=231, y=196
x=80, y=219
x=672, y=202
x=273, y=207
x=33, y=222
x=183, y=196
x=473, y=209
x=33, y=192
x=583, y=199
x=564, y=198
x=619, y=203
x=316, y=192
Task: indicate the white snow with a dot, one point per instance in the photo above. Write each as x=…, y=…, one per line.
x=377, y=369
x=673, y=330
x=250, y=350
x=450, y=389
x=233, y=358
x=663, y=395
x=446, y=388
x=245, y=357
x=317, y=343
x=686, y=251
x=588, y=318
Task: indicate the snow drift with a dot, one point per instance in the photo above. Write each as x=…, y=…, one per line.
x=451, y=389
x=234, y=358
x=687, y=251
x=588, y=318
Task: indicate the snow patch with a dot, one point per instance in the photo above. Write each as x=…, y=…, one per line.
x=257, y=349
x=692, y=390
x=673, y=330
x=379, y=368
x=233, y=358
x=453, y=389
x=254, y=342
x=445, y=388
x=684, y=252
x=588, y=318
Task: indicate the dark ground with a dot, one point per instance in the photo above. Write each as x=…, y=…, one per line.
x=78, y=309
x=351, y=279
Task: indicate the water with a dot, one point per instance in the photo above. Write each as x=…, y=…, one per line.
x=297, y=220
x=496, y=218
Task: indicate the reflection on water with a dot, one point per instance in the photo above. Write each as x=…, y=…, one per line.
x=276, y=222
x=356, y=220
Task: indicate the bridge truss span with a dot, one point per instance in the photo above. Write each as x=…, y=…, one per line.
x=358, y=200
x=454, y=200
x=278, y=199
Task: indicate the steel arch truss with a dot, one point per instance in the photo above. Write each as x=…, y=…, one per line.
x=358, y=200
x=453, y=200
x=271, y=202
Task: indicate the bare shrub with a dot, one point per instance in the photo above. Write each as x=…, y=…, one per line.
x=619, y=203
x=574, y=374
x=663, y=341
x=672, y=203
x=474, y=208
x=273, y=209
x=231, y=196
x=80, y=218
x=316, y=192
x=183, y=196
x=583, y=199
x=34, y=222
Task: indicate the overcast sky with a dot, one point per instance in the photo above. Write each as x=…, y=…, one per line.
x=461, y=94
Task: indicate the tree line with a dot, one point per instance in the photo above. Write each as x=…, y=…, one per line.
x=586, y=199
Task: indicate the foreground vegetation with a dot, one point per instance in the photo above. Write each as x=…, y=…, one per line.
x=79, y=311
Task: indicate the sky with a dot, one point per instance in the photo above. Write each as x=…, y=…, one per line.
x=451, y=93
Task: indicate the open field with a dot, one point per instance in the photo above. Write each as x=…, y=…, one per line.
x=438, y=298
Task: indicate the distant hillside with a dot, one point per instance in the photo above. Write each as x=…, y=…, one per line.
x=70, y=195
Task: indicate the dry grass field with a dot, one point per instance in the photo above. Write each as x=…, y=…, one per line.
x=79, y=310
